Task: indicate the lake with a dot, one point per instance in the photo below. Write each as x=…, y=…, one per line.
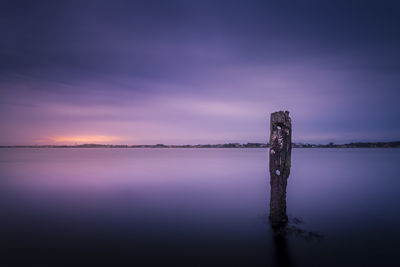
x=195, y=207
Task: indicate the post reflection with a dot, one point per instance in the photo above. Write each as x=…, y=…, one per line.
x=282, y=257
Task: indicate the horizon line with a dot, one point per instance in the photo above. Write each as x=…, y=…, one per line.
x=208, y=144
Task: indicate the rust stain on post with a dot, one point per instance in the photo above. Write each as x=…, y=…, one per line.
x=279, y=165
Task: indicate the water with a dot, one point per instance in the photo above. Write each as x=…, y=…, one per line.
x=195, y=207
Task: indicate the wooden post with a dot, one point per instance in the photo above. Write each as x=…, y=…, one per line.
x=279, y=166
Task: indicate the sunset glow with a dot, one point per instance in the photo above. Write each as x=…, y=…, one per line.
x=84, y=139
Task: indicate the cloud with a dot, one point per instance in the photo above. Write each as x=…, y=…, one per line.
x=201, y=71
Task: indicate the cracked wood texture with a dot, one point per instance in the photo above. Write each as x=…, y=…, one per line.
x=279, y=165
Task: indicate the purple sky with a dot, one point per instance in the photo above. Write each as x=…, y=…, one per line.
x=188, y=72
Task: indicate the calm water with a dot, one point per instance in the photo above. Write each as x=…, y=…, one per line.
x=195, y=207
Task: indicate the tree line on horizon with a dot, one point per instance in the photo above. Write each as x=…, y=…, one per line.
x=395, y=144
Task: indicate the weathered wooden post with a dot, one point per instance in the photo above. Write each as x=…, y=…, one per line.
x=279, y=166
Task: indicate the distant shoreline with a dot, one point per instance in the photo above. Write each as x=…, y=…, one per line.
x=395, y=144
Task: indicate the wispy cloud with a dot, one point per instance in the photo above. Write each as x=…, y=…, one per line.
x=202, y=72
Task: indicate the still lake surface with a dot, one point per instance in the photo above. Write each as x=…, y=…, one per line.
x=195, y=207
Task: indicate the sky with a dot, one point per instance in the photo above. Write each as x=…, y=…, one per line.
x=198, y=72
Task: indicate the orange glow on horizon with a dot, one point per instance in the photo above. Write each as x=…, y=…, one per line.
x=84, y=139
